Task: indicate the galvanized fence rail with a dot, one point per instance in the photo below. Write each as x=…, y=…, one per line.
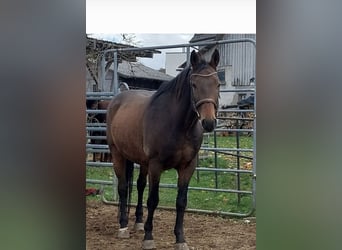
x=215, y=150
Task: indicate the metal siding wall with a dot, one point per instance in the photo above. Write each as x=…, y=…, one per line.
x=241, y=57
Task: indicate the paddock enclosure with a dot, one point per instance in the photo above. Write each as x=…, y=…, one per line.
x=203, y=232
x=224, y=182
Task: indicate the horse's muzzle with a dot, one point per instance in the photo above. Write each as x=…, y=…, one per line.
x=208, y=124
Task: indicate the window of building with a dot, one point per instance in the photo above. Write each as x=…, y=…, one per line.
x=221, y=73
x=241, y=97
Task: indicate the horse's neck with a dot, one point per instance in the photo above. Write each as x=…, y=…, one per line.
x=175, y=103
x=181, y=112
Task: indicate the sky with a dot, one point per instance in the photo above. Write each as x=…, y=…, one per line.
x=173, y=22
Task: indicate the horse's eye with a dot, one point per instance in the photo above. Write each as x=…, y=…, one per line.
x=194, y=86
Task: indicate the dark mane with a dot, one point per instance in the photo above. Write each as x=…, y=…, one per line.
x=179, y=83
x=176, y=84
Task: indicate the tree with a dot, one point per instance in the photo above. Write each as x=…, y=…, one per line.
x=130, y=39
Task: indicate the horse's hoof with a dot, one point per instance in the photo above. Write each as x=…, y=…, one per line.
x=148, y=244
x=181, y=246
x=123, y=233
x=139, y=227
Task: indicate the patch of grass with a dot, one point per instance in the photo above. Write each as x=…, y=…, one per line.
x=199, y=199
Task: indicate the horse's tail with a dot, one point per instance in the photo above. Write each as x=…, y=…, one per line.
x=129, y=180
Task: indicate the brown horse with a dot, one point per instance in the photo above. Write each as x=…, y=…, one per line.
x=162, y=130
x=98, y=118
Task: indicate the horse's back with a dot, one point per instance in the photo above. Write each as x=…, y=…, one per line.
x=124, y=123
x=131, y=99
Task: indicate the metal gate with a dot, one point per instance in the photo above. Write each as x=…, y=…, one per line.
x=243, y=157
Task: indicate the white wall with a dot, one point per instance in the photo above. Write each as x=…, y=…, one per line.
x=172, y=61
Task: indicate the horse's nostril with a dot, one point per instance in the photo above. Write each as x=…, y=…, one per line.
x=208, y=125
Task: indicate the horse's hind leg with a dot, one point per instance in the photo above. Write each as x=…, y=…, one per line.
x=141, y=184
x=119, y=163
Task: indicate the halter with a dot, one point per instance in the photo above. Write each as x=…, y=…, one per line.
x=196, y=74
x=205, y=100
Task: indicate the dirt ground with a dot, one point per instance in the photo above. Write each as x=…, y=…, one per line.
x=202, y=232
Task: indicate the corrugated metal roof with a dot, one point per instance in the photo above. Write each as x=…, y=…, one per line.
x=138, y=70
x=206, y=37
x=95, y=48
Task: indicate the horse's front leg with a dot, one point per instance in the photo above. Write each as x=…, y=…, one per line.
x=184, y=176
x=154, y=172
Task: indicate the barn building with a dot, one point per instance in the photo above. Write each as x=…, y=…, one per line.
x=236, y=69
x=99, y=77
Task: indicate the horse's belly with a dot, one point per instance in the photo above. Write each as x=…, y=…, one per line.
x=126, y=128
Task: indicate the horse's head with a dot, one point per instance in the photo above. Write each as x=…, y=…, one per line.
x=205, y=88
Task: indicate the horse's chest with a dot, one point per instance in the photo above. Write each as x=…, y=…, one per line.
x=178, y=157
x=188, y=153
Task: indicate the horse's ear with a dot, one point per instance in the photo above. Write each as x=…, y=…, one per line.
x=215, y=58
x=194, y=59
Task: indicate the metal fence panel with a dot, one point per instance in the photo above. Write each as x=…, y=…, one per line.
x=211, y=151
